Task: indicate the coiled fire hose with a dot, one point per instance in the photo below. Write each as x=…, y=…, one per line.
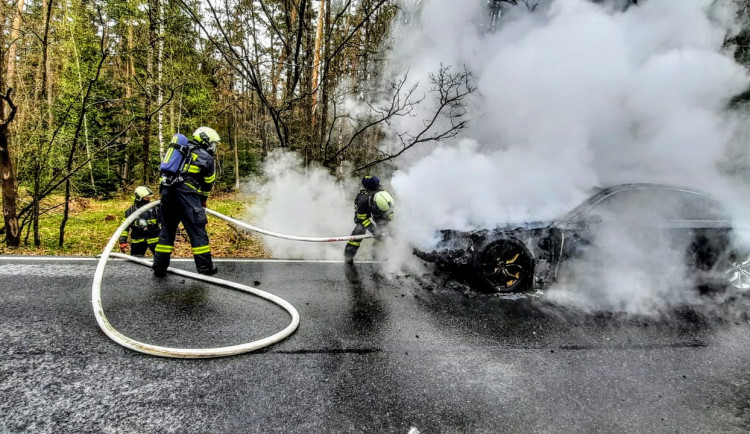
x=194, y=353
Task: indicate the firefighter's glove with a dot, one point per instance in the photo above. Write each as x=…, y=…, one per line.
x=124, y=247
x=203, y=203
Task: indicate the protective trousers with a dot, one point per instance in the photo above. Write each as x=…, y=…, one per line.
x=352, y=246
x=182, y=207
x=139, y=249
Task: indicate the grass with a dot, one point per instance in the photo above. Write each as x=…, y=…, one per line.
x=92, y=222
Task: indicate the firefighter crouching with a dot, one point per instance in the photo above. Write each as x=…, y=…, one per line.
x=144, y=232
x=183, y=199
x=373, y=210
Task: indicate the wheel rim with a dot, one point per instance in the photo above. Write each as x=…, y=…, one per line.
x=737, y=271
x=504, y=266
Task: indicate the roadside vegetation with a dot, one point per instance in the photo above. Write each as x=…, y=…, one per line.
x=92, y=222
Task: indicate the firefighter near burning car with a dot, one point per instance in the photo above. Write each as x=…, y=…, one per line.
x=188, y=174
x=144, y=232
x=373, y=211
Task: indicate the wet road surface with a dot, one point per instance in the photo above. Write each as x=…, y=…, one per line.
x=373, y=353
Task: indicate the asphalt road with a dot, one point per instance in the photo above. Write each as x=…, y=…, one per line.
x=374, y=354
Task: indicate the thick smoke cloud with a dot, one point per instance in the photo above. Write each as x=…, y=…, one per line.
x=577, y=95
x=300, y=201
x=574, y=95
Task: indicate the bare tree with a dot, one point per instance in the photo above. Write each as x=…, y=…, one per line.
x=8, y=182
x=7, y=173
x=447, y=94
x=103, y=53
x=289, y=32
x=10, y=76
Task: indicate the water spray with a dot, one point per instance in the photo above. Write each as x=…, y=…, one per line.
x=195, y=353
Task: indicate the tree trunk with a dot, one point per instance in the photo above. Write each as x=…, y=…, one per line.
x=8, y=182
x=146, y=132
x=10, y=76
x=234, y=130
x=324, y=84
x=74, y=145
x=46, y=91
x=10, y=218
x=316, y=59
x=8, y=178
x=66, y=213
x=35, y=206
x=129, y=73
x=159, y=68
x=80, y=87
x=288, y=59
x=48, y=64
x=146, y=136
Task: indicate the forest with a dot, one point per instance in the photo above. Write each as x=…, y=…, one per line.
x=92, y=90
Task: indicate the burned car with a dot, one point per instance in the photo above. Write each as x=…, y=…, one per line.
x=533, y=255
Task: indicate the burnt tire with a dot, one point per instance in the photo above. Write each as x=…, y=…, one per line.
x=504, y=265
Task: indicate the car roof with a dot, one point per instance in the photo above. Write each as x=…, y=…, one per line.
x=626, y=186
x=599, y=193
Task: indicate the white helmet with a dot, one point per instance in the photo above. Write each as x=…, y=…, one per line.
x=384, y=201
x=206, y=136
x=142, y=192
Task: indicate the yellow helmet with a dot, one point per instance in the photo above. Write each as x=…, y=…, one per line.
x=384, y=201
x=142, y=192
x=205, y=136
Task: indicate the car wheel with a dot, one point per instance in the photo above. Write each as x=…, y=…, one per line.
x=504, y=266
x=734, y=270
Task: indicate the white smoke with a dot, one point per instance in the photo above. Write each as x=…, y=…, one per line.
x=574, y=95
x=302, y=201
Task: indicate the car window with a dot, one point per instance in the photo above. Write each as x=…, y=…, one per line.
x=652, y=203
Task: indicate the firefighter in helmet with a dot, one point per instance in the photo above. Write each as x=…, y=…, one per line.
x=143, y=232
x=184, y=201
x=373, y=211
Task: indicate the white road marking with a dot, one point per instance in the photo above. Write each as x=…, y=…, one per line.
x=68, y=258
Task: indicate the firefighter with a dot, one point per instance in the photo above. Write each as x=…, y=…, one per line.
x=184, y=201
x=144, y=232
x=373, y=210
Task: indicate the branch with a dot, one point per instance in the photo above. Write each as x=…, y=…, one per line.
x=53, y=185
x=164, y=103
x=243, y=70
x=13, y=109
x=272, y=23
x=298, y=48
x=346, y=40
x=451, y=91
x=400, y=105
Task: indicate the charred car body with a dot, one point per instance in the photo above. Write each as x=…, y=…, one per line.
x=533, y=255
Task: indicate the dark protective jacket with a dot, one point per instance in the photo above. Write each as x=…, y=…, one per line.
x=367, y=211
x=198, y=174
x=145, y=228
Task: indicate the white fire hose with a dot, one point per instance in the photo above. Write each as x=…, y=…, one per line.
x=156, y=350
x=287, y=237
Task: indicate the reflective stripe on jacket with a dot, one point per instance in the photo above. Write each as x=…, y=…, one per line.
x=366, y=210
x=145, y=228
x=199, y=173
